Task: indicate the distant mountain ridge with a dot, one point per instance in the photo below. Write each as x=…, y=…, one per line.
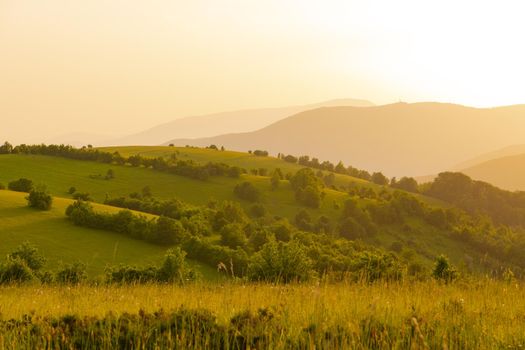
x=398, y=139
x=225, y=122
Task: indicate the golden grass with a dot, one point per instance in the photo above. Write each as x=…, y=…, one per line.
x=484, y=314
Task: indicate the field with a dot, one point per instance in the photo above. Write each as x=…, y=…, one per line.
x=59, y=174
x=477, y=315
x=62, y=242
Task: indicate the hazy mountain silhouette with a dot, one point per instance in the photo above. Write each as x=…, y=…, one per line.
x=225, y=122
x=505, y=172
x=398, y=139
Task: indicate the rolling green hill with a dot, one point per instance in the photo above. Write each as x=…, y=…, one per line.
x=59, y=174
x=62, y=242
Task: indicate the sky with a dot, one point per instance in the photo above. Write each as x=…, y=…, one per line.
x=121, y=66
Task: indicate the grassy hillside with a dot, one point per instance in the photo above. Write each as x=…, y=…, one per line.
x=399, y=139
x=61, y=241
x=59, y=174
x=241, y=159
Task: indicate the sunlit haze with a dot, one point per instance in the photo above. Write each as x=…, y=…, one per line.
x=117, y=67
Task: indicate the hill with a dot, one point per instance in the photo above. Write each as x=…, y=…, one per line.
x=220, y=123
x=62, y=242
x=505, y=172
x=403, y=227
x=398, y=139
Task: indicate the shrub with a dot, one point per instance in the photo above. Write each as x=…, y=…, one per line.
x=71, y=190
x=247, y=191
x=169, y=231
x=281, y=262
x=82, y=196
x=131, y=274
x=72, y=273
x=233, y=236
x=15, y=270
x=30, y=255
x=175, y=269
x=40, y=199
x=443, y=270
x=21, y=185
x=260, y=153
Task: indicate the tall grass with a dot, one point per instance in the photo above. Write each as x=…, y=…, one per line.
x=476, y=315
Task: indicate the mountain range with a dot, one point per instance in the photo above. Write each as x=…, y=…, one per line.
x=398, y=139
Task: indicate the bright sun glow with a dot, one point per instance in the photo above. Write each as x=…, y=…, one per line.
x=146, y=62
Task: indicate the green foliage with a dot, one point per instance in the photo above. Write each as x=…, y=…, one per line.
x=29, y=254
x=228, y=213
x=73, y=273
x=247, y=191
x=408, y=184
x=233, y=236
x=15, y=271
x=82, y=196
x=21, y=185
x=71, y=190
x=169, y=231
x=443, y=270
x=307, y=187
x=40, y=199
x=379, y=178
x=175, y=269
x=281, y=263
x=503, y=207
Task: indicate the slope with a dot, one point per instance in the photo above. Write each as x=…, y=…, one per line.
x=62, y=242
x=398, y=139
x=425, y=240
x=505, y=172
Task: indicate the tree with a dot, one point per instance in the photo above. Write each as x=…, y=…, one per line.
x=408, y=184
x=169, y=231
x=443, y=270
x=379, y=178
x=309, y=196
x=233, y=236
x=351, y=229
x=71, y=190
x=175, y=268
x=40, y=199
x=303, y=220
x=6, y=148
x=247, y=191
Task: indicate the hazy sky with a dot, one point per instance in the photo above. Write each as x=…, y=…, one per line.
x=115, y=67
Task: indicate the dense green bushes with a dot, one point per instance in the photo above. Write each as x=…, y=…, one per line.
x=39, y=199
x=307, y=188
x=162, y=230
x=21, y=185
x=504, y=207
x=247, y=191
